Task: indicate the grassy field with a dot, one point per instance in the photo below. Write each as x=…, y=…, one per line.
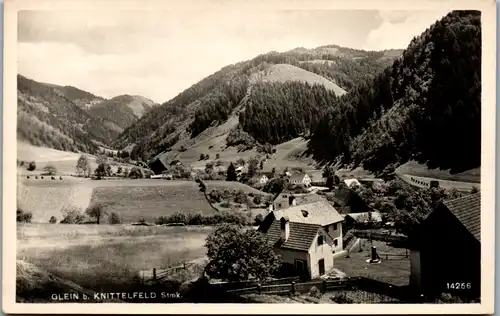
x=394, y=270
x=107, y=258
x=131, y=199
x=415, y=169
x=64, y=162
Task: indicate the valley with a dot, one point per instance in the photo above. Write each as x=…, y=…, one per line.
x=110, y=187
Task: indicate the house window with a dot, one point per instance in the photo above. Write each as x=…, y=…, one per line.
x=334, y=226
x=320, y=240
x=335, y=242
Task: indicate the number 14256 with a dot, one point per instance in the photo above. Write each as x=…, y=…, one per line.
x=458, y=286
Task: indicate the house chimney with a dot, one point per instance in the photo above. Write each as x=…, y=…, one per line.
x=285, y=228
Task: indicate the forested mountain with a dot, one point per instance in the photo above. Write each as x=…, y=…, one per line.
x=46, y=117
x=81, y=98
x=426, y=106
x=297, y=83
x=121, y=111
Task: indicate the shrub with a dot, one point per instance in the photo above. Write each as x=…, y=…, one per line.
x=225, y=205
x=315, y=292
x=240, y=197
x=135, y=173
x=114, y=219
x=215, y=196
x=31, y=166
x=258, y=220
x=49, y=169
x=257, y=199
x=72, y=215
x=53, y=220
x=23, y=217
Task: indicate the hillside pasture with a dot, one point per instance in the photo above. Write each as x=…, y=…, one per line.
x=290, y=154
x=47, y=201
x=107, y=258
x=129, y=198
x=414, y=168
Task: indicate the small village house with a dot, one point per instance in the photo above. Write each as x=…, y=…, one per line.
x=282, y=200
x=158, y=166
x=301, y=179
x=351, y=183
x=260, y=179
x=307, y=237
x=445, y=252
x=348, y=201
x=361, y=220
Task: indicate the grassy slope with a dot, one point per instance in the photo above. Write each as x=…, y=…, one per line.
x=106, y=258
x=286, y=72
x=131, y=199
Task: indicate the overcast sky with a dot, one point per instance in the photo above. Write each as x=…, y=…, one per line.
x=158, y=54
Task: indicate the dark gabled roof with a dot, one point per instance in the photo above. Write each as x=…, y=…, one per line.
x=467, y=210
x=343, y=196
x=301, y=235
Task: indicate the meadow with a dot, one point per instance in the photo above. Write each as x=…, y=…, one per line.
x=131, y=199
x=107, y=258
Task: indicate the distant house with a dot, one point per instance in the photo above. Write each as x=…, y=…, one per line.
x=260, y=179
x=240, y=170
x=352, y=183
x=348, y=201
x=306, y=237
x=362, y=219
x=282, y=200
x=446, y=249
x=300, y=178
x=158, y=166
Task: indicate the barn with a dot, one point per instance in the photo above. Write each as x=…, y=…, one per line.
x=446, y=249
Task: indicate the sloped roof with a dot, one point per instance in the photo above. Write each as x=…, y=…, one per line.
x=343, y=196
x=350, y=182
x=297, y=177
x=318, y=213
x=300, y=238
x=467, y=210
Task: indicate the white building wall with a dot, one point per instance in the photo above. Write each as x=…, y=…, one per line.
x=336, y=234
x=316, y=253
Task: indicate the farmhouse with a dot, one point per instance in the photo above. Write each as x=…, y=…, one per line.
x=260, y=179
x=306, y=237
x=348, y=201
x=300, y=178
x=363, y=219
x=283, y=200
x=158, y=166
x=352, y=183
x=445, y=252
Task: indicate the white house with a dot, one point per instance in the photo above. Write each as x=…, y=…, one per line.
x=260, y=179
x=352, y=183
x=283, y=200
x=300, y=178
x=307, y=237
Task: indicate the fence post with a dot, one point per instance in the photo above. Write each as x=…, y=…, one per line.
x=293, y=287
x=259, y=288
x=154, y=274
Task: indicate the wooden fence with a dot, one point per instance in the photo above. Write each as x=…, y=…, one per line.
x=348, y=284
x=159, y=274
x=293, y=287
